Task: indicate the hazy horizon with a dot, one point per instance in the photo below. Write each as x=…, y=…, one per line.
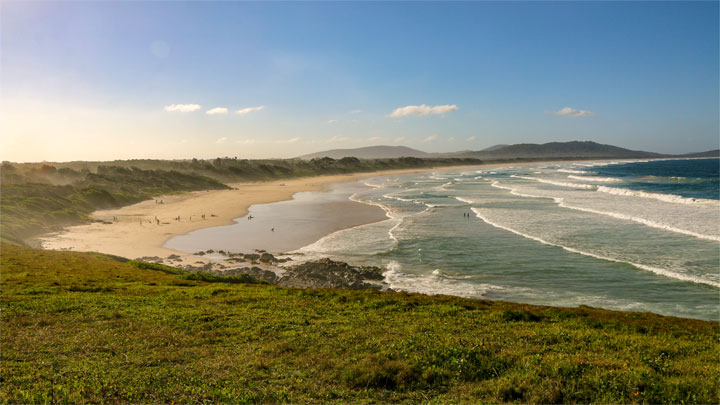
x=106, y=81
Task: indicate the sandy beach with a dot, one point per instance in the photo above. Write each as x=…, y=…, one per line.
x=142, y=229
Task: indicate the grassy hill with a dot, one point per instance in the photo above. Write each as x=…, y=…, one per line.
x=80, y=327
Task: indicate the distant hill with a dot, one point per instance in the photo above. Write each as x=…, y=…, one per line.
x=370, y=152
x=710, y=153
x=574, y=149
x=496, y=147
x=551, y=150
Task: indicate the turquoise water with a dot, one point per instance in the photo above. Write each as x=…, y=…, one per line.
x=629, y=236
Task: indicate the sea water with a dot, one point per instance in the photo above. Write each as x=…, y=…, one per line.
x=638, y=236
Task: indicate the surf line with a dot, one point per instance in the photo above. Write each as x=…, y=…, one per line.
x=561, y=203
x=662, y=272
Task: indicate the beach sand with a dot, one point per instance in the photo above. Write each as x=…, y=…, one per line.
x=135, y=232
x=286, y=225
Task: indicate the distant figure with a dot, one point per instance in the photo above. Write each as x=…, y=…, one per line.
x=250, y=217
x=272, y=229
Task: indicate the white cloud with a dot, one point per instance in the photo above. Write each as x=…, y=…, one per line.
x=356, y=111
x=221, y=140
x=571, y=112
x=331, y=121
x=399, y=139
x=291, y=140
x=248, y=110
x=430, y=138
x=376, y=138
x=336, y=138
x=183, y=107
x=451, y=139
x=246, y=141
x=421, y=110
x=217, y=110
x=470, y=138
x=184, y=141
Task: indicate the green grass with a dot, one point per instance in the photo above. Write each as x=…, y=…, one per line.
x=80, y=327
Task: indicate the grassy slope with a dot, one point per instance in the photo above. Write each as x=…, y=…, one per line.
x=81, y=327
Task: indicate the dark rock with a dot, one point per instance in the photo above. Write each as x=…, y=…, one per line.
x=326, y=273
x=251, y=256
x=267, y=258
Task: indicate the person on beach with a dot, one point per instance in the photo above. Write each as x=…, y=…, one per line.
x=272, y=229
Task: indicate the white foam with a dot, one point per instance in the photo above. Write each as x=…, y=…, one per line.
x=388, y=212
x=671, y=198
x=393, y=215
x=571, y=171
x=513, y=191
x=373, y=185
x=656, y=270
x=443, y=186
x=465, y=200
x=643, y=221
x=437, y=282
x=561, y=203
x=556, y=183
x=393, y=196
x=592, y=178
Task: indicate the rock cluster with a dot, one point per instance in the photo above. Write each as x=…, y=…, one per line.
x=327, y=273
x=322, y=273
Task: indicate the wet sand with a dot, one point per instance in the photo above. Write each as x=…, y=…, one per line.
x=287, y=225
x=136, y=233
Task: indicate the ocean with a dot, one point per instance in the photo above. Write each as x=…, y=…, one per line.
x=635, y=236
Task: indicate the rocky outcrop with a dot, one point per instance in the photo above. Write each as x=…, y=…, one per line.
x=323, y=273
x=327, y=273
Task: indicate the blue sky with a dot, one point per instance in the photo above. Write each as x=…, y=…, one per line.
x=98, y=81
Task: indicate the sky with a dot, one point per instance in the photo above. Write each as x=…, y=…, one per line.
x=179, y=80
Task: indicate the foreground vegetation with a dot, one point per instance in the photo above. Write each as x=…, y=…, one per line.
x=80, y=327
x=37, y=198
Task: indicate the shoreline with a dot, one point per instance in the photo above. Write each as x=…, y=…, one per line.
x=134, y=231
